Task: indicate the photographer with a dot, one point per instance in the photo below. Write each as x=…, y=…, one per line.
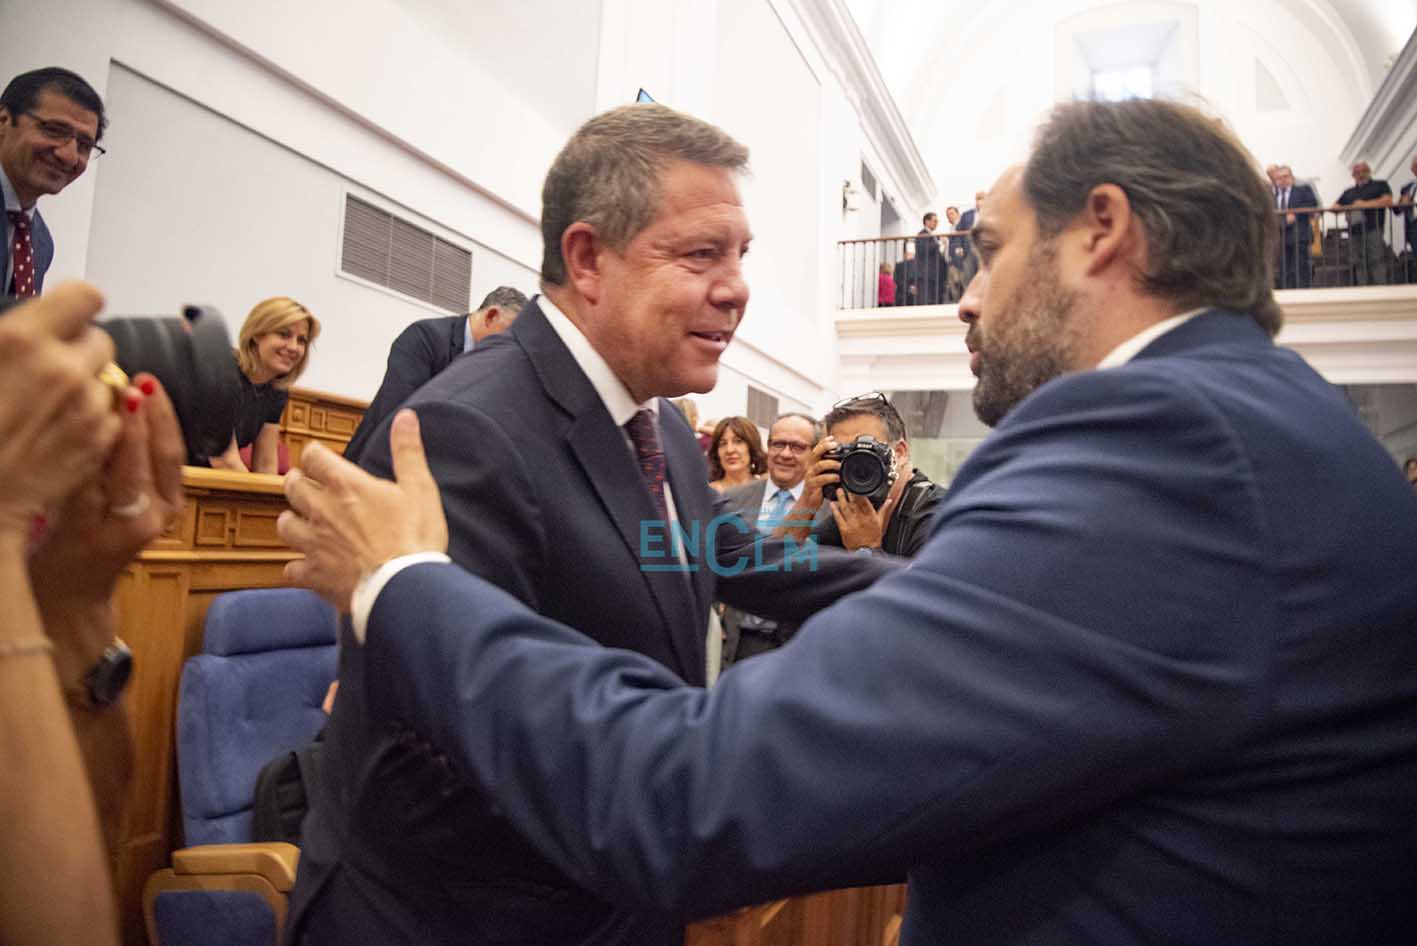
x=894, y=520
x=90, y=476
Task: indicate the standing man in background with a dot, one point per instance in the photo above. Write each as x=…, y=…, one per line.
x=1365, y=227
x=428, y=346
x=1295, y=269
x=50, y=123
x=790, y=442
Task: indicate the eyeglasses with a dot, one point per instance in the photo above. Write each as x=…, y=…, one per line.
x=862, y=400
x=62, y=134
x=788, y=446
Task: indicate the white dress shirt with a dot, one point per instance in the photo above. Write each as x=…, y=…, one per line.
x=1129, y=349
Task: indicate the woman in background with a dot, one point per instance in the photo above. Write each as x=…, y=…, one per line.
x=735, y=455
x=272, y=352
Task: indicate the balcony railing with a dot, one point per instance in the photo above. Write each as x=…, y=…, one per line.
x=1321, y=247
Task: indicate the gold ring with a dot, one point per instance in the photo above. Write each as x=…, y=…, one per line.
x=116, y=380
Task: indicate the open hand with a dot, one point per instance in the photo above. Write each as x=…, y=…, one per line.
x=348, y=523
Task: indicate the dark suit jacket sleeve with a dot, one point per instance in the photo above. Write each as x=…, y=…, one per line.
x=411, y=360
x=782, y=579
x=1303, y=196
x=1091, y=616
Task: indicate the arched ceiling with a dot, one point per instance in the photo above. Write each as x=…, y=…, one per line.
x=915, y=41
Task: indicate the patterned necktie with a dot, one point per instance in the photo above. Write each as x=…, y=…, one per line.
x=21, y=256
x=650, y=457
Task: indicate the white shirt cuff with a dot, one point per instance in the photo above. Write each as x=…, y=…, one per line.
x=367, y=591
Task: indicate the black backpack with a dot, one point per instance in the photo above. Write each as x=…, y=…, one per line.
x=282, y=790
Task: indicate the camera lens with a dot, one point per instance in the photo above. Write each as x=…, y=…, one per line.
x=191, y=356
x=862, y=472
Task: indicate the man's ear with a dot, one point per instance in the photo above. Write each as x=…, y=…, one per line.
x=1107, y=227
x=902, y=455
x=582, y=249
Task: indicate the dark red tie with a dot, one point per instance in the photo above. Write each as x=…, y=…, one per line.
x=21, y=256
x=645, y=439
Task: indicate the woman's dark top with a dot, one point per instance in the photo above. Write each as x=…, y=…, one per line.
x=260, y=404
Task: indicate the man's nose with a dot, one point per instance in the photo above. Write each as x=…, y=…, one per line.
x=969, y=303
x=732, y=290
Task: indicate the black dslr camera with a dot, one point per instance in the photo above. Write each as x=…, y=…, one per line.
x=191, y=356
x=867, y=469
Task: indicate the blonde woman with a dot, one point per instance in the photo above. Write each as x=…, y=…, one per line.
x=272, y=351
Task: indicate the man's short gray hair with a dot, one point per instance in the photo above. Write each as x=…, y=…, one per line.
x=504, y=297
x=607, y=175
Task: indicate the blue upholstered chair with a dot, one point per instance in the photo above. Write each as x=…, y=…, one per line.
x=253, y=693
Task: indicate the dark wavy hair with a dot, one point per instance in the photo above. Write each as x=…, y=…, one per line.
x=747, y=432
x=1207, y=212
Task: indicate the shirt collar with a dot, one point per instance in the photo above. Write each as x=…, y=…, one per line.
x=1128, y=350
x=12, y=199
x=617, y=398
x=468, y=342
x=796, y=491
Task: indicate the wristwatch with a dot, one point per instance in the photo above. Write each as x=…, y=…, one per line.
x=106, y=679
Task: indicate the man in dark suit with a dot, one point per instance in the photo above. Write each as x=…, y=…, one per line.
x=566, y=478
x=907, y=288
x=962, y=262
x=50, y=124
x=966, y=220
x=428, y=346
x=790, y=442
x=1403, y=207
x=1147, y=681
x=1295, y=267
x=929, y=262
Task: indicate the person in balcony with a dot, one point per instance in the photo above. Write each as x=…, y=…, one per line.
x=885, y=285
x=1295, y=270
x=930, y=262
x=907, y=291
x=1365, y=225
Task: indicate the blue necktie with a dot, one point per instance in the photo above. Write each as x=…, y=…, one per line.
x=777, y=511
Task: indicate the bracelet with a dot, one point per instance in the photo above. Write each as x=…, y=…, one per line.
x=26, y=647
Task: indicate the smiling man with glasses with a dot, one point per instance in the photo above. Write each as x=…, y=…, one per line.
x=50, y=123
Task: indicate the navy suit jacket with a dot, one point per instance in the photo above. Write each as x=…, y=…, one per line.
x=1301, y=230
x=422, y=350
x=1150, y=680
x=544, y=498
x=41, y=247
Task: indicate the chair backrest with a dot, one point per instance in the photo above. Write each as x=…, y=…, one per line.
x=253, y=693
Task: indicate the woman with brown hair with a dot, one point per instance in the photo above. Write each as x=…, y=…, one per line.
x=272, y=352
x=735, y=454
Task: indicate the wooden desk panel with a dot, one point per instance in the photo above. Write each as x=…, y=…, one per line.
x=315, y=415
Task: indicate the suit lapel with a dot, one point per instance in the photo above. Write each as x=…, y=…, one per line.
x=600, y=448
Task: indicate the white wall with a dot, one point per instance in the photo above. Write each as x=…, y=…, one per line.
x=443, y=110
x=192, y=207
